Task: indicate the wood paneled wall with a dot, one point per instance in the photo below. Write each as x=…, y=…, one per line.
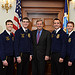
x=56, y=7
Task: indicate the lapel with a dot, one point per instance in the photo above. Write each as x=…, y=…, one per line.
x=6, y=33
x=71, y=35
x=35, y=36
x=22, y=30
x=59, y=31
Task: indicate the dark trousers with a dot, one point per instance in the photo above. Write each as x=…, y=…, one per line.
x=69, y=70
x=22, y=68
x=38, y=67
x=1, y=68
x=10, y=68
x=56, y=67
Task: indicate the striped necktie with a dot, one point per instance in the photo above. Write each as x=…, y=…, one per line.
x=38, y=36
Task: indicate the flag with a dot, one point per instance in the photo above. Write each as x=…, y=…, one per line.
x=17, y=16
x=66, y=16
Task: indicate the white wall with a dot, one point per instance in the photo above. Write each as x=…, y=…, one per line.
x=72, y=12
x=5, y=16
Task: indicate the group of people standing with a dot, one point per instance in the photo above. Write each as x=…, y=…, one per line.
x=37, y=46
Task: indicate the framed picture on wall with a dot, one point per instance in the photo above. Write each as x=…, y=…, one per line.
x=48, y=21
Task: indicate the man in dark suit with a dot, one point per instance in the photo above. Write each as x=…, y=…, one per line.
x=23, y=47
x=58, y=49
x=41, y=48
x=70, y=56
x=7, y=50
x=1, y=64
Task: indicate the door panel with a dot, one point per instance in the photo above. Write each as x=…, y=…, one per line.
x=47, y=19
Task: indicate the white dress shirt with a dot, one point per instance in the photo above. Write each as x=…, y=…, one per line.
x=8, y=32
x=24, y=29
x=57, y=30
x=70, y=33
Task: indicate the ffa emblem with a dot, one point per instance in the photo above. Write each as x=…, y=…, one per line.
x=22, y=35
x=69, y=40
x=29, y=35
x=13, y=38
x=7, y=38
x=58, y=35
x=52, y=35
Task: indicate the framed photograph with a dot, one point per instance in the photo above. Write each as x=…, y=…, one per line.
x=48, y=21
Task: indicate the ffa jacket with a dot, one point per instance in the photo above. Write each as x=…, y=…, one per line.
x=71, y=46
x=22, y=42
x=6, y=45
x=59, y=42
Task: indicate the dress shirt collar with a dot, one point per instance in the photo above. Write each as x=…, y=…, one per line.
x=70, y=33
x=57, y=30
x=24, y=29
x=8, y=32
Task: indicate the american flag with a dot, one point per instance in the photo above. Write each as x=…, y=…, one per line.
x=17, y=16
x=66, y=16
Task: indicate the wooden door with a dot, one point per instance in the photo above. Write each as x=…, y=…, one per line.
x=47, y=19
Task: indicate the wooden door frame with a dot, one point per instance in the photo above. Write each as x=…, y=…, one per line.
x=56, y=7
x=58, y=11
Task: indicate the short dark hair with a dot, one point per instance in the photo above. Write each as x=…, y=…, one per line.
x=8, y=21
x=57, y=19
x=70, y=22
x=25, y=18
x=39, y=21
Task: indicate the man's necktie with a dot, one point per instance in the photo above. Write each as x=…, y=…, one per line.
x=10, y=34
x=26, y=31
x=68, y=35
x=54, y=33
x=38, y=36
